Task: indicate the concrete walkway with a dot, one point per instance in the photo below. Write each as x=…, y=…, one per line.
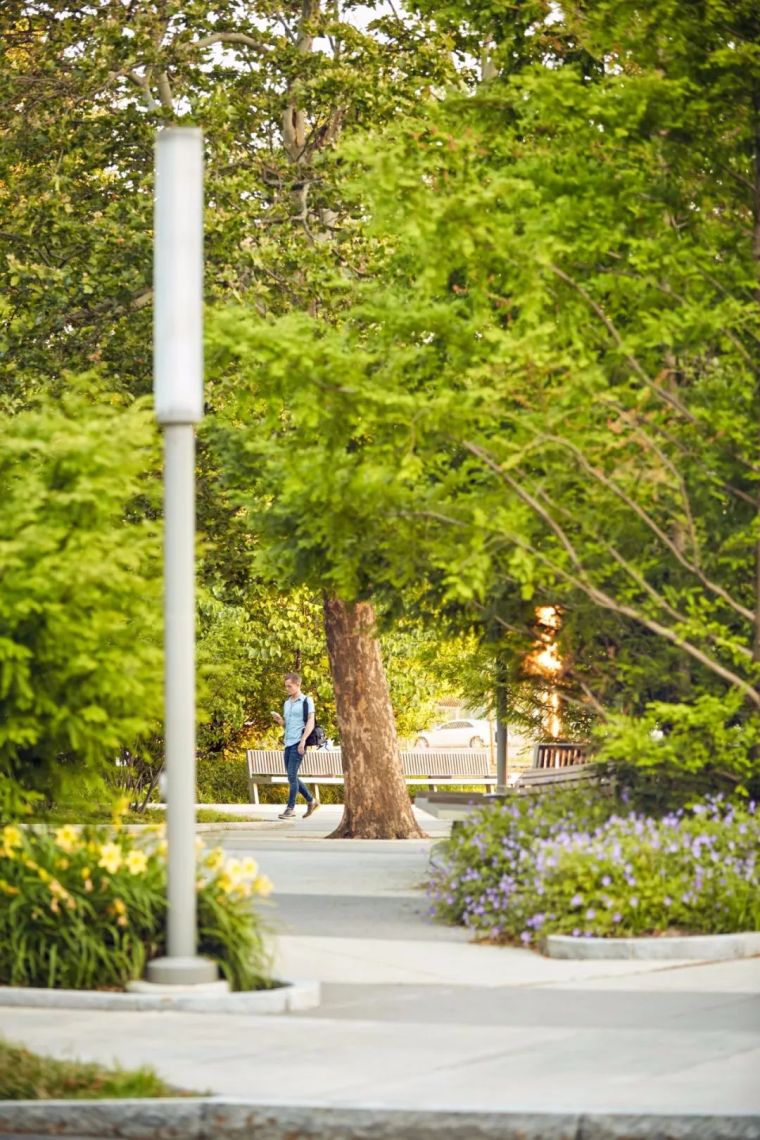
x=415, y=1016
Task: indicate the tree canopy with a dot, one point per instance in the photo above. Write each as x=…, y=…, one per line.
x=547, y=396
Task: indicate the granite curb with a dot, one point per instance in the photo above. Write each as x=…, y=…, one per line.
x=692, y=947
x=233, y=1119
x=286, y=998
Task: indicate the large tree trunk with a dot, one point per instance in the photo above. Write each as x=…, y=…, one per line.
x=377, y=804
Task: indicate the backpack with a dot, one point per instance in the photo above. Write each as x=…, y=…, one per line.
x=317, y=738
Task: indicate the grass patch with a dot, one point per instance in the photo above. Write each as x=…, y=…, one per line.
x=103, y=813
x=202, y=815
x=30, y=1076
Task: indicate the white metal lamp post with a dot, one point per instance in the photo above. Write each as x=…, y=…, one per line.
x=178, y=386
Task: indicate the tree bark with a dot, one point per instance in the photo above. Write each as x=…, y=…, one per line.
x=377, y=804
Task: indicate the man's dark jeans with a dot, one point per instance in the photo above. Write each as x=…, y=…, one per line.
x=293, y=761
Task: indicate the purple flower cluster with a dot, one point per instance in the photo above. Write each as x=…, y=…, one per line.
x=526, y=868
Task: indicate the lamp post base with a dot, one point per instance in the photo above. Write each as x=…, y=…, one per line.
x=182, y=971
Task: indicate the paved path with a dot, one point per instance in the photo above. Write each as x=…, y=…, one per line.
x=413, y=1015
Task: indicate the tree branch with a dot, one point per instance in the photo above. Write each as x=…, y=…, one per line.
x=581, y=581
x=165, y=92
x=630, y=359
x=224, y=38
x=142, y=82
x=647, y=519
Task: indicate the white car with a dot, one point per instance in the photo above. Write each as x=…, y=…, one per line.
x=455, y=734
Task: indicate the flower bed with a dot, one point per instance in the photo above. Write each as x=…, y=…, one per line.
x=533, y=866
x=85, y=908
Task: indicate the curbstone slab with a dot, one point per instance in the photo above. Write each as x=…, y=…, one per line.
x=693, y=947
x=134, y=1119
x=228, y=1119
x=649, y=1127
x=231, y=1121
x=289, y=996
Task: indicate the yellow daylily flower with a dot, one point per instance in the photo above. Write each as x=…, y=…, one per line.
x=250, y=868
x=136, y=862
x=263, y=886
x=110, y=857
x=12, y=837
x=233, y=868
x=67, y=838
x=214, y=859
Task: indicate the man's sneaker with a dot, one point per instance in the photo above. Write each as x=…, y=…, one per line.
x=310, y=809
x=287, y=814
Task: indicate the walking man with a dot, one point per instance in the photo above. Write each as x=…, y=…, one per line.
x=297, y=731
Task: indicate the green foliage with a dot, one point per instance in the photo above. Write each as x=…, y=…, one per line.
x=80, y=672
x=86, y=909
x=521, y=870
x=25, y=1075
x=222, y=779
x=548, y=394
x=244, y=650
x=709, y=735
x=82, y=94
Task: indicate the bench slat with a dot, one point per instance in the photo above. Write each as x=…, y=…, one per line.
x=422, y=762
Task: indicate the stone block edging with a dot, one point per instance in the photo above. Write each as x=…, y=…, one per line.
x=289, y=997
x=696, y=947
x=228, y=1119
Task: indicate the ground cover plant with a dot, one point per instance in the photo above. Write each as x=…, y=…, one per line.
x=528, y=867
x=85, y=908
x=25, y=1075
x=101, y=813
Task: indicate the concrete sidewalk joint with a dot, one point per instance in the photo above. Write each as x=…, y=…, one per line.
x=226, y=1119
x=290, y=997
x=692, y=947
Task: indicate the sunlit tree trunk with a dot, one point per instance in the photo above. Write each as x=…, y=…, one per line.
x=377, y=804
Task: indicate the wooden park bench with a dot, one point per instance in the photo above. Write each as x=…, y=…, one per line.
x=431, y=766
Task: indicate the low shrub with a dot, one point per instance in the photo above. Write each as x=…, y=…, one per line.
x=222, y=780
x=530, y=867
x=86, y=908
x=29, y=1076
x=710, y=738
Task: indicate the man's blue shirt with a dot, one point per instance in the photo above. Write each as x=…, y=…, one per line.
x=292, y=714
